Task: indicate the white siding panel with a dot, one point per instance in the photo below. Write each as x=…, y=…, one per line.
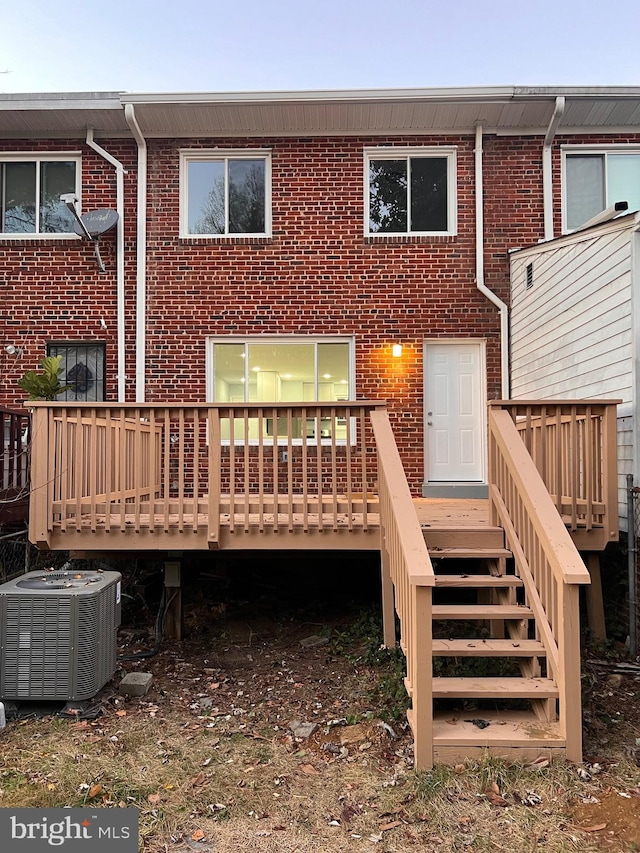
x=625, y=465
x=571, y=332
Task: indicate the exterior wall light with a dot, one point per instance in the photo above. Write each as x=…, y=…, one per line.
x=396, y=350
x=10, y=349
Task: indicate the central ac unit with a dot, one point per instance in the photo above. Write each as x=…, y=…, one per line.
x=58, y=634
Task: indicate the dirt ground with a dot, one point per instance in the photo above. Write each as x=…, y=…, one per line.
x=277, y=725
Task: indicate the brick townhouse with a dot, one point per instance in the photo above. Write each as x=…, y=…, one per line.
x=238, y=284
x=298, y=246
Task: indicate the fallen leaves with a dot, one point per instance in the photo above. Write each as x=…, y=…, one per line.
x=492, y=793
x=95, y=791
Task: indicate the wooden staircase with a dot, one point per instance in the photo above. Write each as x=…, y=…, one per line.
x=513, y=715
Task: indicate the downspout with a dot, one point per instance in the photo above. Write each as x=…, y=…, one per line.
x=547, y=168
x=120, y=172
x=141, y=255
x=491, y=296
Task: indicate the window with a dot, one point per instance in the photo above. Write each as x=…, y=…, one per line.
x=82, y=369
x=226, y=193
x=595, y=179
x=281, y=370
x=410, y=191
x=30, y=190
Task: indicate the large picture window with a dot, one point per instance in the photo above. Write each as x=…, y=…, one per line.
x=82, y=369
x=30, y=190
x=225, y=193
x=410, y=191
x=595, y=179
x=281, y=370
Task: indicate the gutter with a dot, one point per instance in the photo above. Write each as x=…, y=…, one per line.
x=141, y=254
x=120, y=172
x=547, y=167
x=491, y=296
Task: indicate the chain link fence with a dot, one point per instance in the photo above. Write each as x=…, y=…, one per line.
x=634, y=564
x=18, y=556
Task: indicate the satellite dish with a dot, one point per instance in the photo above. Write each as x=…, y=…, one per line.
x=96, y=223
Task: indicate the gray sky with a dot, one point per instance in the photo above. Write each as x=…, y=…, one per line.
x=193, y=45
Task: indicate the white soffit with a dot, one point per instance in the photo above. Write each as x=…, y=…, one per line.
x=501, y=110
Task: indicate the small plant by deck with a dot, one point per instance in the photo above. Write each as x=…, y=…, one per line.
x=44, y=384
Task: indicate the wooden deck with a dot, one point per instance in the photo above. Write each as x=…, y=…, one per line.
x=177, y=478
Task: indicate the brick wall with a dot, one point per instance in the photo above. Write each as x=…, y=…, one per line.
x=317, y=275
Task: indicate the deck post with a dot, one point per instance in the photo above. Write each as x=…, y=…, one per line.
x=595, y=604
x=173, y=594
x=422, y=677
x=569, y=680
x=41, y=490
x=388, y=609
x=213, y=502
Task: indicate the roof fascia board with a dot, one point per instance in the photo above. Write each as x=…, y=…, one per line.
x=16, y=103
x=491, y=94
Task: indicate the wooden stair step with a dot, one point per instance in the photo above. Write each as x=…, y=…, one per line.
x=478, y=581
x=488, y=648
x=494, y=688
x=481, y=611
x=510, y=734
x=469, y=553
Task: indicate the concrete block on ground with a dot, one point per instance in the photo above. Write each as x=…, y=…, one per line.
x=136, y=684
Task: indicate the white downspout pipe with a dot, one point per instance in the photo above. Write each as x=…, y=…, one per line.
x=547, y=168
x=491, y=296
x=120, y=172
x=141, y=254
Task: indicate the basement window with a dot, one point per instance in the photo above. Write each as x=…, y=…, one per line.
x=30, y=190
x=82, y=369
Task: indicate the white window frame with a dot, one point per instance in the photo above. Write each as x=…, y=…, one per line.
x=44, y=157
x=191, y=155
x=247, y=340
x=604, y=150
x=399, y=153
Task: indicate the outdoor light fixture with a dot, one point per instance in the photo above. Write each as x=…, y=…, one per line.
x=396, y=350
x=11, y=350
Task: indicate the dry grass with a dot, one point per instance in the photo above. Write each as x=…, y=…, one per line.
x=208, y=759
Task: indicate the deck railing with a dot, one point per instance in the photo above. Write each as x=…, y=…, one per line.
x=188, y=468
x=408, y=579
x=546, y=560
x=573, y=446
x=14, y=464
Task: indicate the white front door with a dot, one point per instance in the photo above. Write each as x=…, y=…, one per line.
x=454, y=412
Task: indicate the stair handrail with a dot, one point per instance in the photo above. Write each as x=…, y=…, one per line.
x=547, y=562
x=406, y=565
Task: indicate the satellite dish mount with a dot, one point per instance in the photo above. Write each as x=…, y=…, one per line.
x=92, y=225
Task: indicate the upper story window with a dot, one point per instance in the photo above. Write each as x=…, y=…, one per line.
x=225, y=193
x=596, y=178
x=410, y=191
x=30, y=190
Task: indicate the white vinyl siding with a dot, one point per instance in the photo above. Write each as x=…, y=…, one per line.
x=572, y=330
